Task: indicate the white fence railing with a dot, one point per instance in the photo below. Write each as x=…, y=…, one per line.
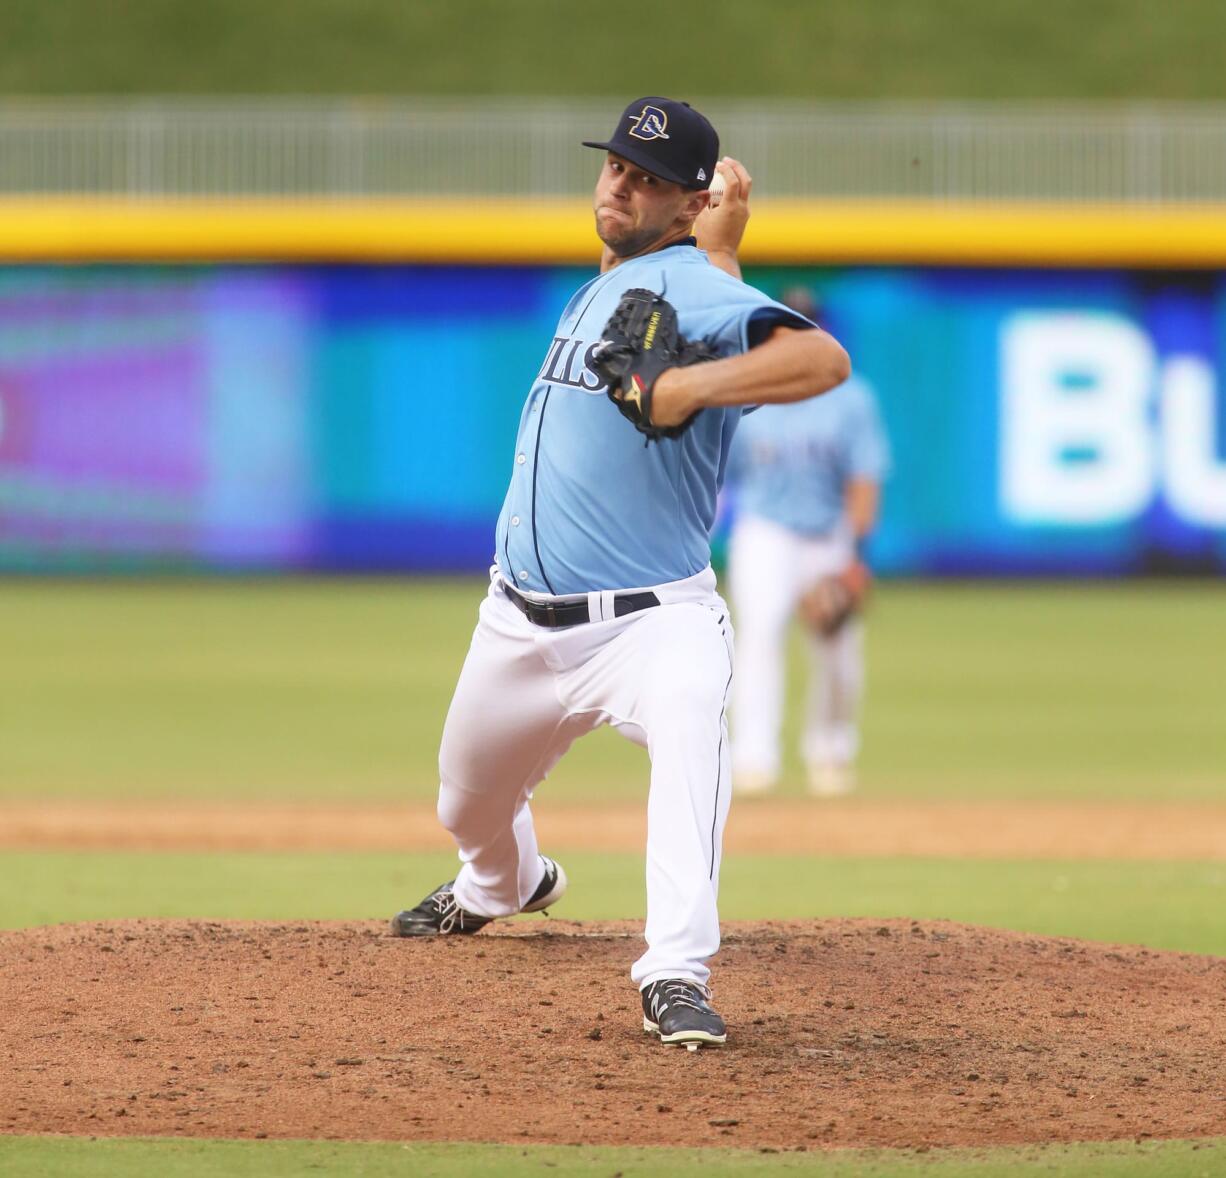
x=253, y=147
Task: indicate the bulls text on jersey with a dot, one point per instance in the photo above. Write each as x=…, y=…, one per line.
x=563, y=366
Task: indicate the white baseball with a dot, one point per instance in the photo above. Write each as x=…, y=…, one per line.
x=717, y=189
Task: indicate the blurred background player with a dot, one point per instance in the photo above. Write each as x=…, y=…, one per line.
x=808, y=484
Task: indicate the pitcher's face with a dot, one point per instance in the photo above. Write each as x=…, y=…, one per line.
x=634, y=208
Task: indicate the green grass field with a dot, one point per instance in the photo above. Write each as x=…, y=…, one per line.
x=1178, y=906
x=912, y=49
x=337, y=690
x=75, y=1158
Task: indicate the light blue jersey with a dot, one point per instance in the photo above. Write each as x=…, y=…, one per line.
x=791, y=463
x=590, y=507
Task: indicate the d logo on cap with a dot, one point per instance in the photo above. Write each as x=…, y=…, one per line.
x=664, y=138
x=651, y=124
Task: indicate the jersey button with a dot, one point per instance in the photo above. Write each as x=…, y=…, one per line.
x=523, y=576
x=520, y=460
x=515, y=521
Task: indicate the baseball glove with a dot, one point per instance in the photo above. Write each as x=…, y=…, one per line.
x=826, y=607
x=641, y=341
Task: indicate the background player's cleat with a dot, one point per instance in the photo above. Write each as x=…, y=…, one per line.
x=831, y=779
x=677, y=1010
x=748, y=783
x=439, y=914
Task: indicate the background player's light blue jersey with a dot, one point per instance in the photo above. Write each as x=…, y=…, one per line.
x=590, y=506
x=791, y=463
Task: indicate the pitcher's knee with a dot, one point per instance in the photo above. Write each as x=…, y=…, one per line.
x=457, y=808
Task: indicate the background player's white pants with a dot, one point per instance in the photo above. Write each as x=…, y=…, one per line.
x=661, y=676
x=769, y=567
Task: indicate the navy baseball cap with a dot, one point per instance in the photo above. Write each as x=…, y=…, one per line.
x=669, y=139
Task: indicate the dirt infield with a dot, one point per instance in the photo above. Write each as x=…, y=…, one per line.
x=854, y=826
x=841, y=1033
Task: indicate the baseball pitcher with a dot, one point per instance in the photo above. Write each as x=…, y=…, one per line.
x=602, y=606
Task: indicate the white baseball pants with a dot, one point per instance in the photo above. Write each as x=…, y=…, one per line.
x=769, y=568
x=661, y=677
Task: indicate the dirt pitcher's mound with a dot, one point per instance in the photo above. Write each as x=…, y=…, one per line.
x=841, y=1033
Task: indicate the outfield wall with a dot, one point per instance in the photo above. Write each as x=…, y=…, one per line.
x=358, y=412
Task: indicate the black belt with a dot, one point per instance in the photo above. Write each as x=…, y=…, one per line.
x=575, y=613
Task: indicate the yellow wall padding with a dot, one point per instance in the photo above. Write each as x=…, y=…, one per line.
x=551, y=231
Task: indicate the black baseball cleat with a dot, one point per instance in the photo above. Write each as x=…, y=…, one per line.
x=439, y=914
x=677, y=1010
x=551, y=888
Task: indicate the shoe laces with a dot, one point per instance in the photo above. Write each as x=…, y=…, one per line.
x=449, y=912
x=680, y=992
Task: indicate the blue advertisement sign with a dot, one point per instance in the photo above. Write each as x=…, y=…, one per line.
x=362, y=417
x=1044, y=421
